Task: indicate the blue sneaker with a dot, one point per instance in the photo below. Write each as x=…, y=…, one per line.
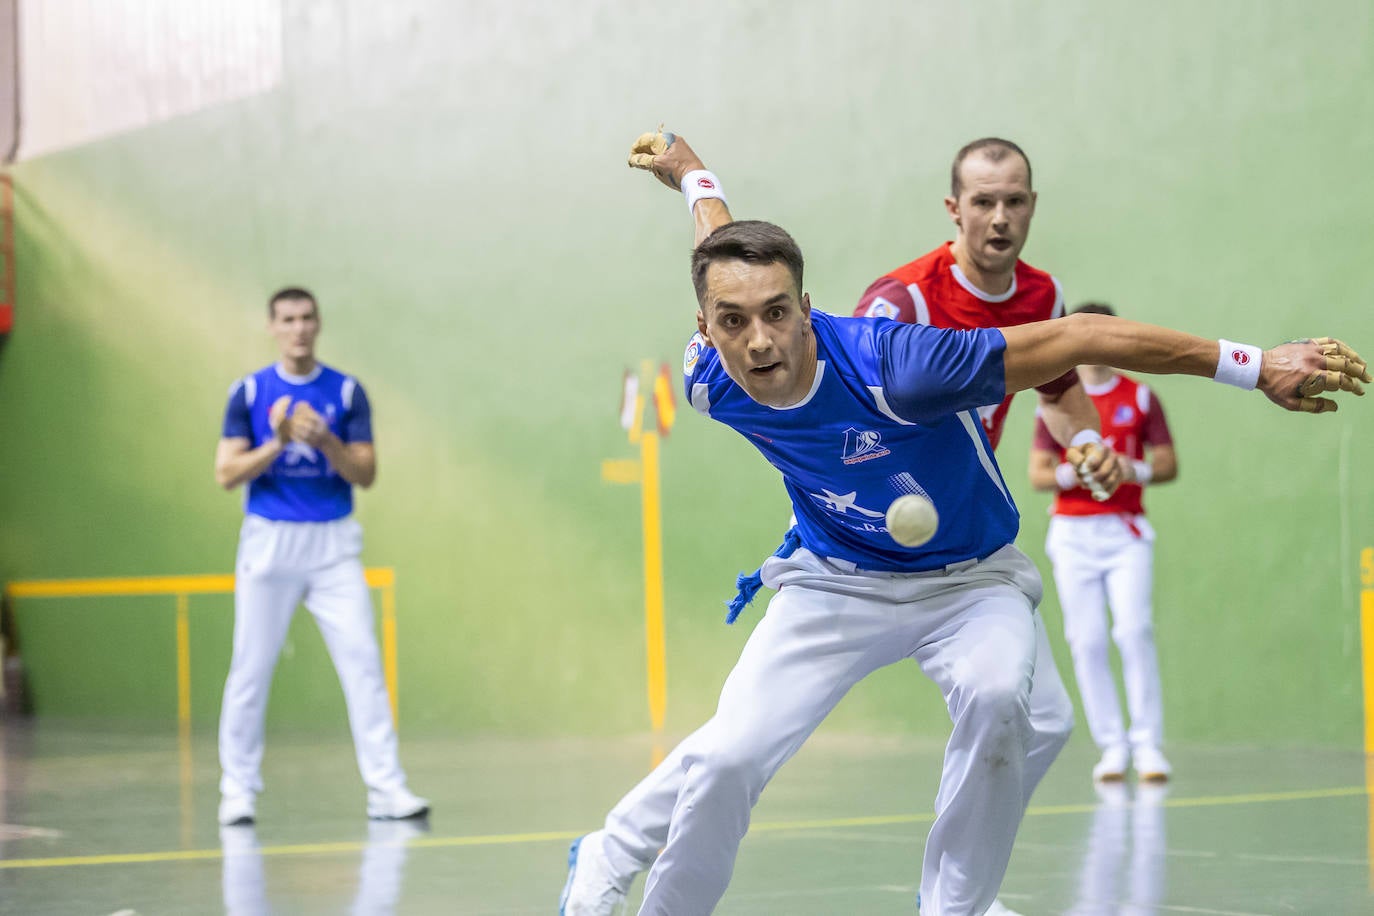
x=589, y=890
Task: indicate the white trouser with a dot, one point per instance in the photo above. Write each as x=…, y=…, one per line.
x=637, y=827
x=973, y=632
x=279, y=564
x=1099, y=560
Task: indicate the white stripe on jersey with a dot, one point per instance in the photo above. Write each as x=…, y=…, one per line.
x=346, y=392
x=1058, y=310
x=1142, y=399
x=922, y=309
x=250, y=390
x=701, y=398
x=975, y=429
x=880, y=399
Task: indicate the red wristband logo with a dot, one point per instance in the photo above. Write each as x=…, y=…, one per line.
x=1240, y=357
x=706, y=183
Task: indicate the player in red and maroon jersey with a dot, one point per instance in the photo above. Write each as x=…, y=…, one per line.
x=1103, y=553
x=979, y=281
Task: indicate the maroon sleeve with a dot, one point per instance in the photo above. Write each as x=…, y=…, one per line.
x=1059, y=385
x=1156, y=427
x=887, y=298
x=1042, y=439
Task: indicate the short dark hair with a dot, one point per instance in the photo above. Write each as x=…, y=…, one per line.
x=292, y=293
x=748, y=240
x=992, y=148
x=1094, y=308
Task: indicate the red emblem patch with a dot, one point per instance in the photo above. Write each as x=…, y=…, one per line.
x=706, y=183
x=1240, y=357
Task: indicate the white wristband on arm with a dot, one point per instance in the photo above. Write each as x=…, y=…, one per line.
x=1066, y=476
x=1238, y=364
x=1143, y=472
x=700, y=184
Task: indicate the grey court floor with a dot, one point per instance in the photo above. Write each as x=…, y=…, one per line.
x=98, y=821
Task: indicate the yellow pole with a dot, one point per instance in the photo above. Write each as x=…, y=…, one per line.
x=389, y=648
x=183, y=663
x=187, y=771
x=1367, y=643
x=1367, y=654
x=653, y=581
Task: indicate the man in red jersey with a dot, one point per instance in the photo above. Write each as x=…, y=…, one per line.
x=1103, y=553
x=979, y=281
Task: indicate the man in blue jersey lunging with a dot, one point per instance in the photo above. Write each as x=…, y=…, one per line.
x=801, y=385
x=299, y=435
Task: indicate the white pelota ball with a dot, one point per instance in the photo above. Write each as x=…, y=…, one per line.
x=912, y=520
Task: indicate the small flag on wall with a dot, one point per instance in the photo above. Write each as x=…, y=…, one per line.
x=629, y=395
x=665, y=404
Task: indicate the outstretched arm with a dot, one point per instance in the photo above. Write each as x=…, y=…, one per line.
x=670, y=159
x=1291, y=375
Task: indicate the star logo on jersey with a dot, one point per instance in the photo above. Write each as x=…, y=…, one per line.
x=881, y=308
x=843, y=504
x=296, y=452
x=1123, y=415
x=862, y=445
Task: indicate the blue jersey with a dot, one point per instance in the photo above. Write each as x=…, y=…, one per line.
x=893, y=411
x=300, y=486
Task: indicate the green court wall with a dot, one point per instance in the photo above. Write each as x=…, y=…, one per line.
x=450, y=180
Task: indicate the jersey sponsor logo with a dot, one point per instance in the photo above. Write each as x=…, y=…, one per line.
x=1240, y=357
x=1123, y=414
x=881, y=308
x=694, y=348
x=862, y=445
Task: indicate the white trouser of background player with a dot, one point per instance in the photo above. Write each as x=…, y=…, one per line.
x=279, y=564
x=973, y=632
x=637, y=827
x=1098, y=560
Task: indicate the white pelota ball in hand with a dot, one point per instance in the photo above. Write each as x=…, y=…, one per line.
x=912, y=520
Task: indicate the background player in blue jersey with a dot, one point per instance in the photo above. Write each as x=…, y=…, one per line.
x=797, y=384
x=299, y=435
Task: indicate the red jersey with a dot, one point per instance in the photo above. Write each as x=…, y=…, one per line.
x=1132, y=418
x=933, y=290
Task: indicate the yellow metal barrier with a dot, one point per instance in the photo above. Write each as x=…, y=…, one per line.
x=383, y=578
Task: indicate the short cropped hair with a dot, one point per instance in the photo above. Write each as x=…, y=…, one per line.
x=750, y=240
x=1093, y=308
x=994, y=149
x=292, y=293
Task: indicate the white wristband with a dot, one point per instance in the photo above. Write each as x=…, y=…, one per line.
x=1066, y=476
x=699, y=184
x=1143, y=472
x=1238, y=364
x=1084, y=436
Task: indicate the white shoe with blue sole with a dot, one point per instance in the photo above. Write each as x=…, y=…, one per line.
x=589, y=890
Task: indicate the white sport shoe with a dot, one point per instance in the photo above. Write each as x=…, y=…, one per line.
x=1113, y=765
x=236, y=810
x=1151, y=765
x=999, y=908
x=589, y=891
x=396, y=805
